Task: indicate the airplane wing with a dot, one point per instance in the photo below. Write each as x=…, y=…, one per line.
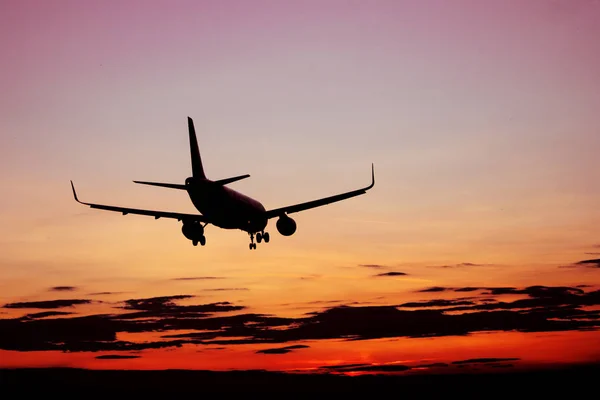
x=321, y=202
x=155, y=214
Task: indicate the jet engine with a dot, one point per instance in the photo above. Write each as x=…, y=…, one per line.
x=192, y=231
x=286, y=226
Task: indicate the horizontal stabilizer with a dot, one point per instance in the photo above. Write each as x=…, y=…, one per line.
x=167, y=185
x=230, y=180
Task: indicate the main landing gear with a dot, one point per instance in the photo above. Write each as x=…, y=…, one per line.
x=260, y=236
x=202, y=241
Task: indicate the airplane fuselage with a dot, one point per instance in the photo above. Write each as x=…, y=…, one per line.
x=225, y=207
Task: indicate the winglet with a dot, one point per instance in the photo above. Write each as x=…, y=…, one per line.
x=372, y=177
x=75, y=193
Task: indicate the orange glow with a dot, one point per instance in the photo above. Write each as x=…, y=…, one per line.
x=533, y=350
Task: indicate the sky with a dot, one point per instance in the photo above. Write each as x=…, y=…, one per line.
x=478, y=247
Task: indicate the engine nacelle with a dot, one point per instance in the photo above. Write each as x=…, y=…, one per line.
x=192, y=230
x=286, y=226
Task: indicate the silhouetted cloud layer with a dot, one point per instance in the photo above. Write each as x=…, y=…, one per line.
x=47, y=303
x=535, y=309
x=63, y=288
x=283, y=350
x=595, y=263
x=45, y=314
x=395, y=367
x=433, y=289
x=393, y=273
x=461, y=265
x=104, y=293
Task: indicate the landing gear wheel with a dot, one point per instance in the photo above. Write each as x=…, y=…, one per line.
x=202, y=240
x=252, y=244
x=266, y=237
x=259, y=237
x=195, y=242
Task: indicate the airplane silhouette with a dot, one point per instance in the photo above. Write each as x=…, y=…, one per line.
x=224, y=207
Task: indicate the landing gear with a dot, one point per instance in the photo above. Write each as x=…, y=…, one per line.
x=194, y=232
x=260, y=236
x=201, y=239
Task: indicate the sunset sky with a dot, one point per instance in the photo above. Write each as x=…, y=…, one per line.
x=478, y=246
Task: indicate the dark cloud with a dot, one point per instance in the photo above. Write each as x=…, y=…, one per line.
x=434, y=289
x=501, y=290
x=47, y=304
x=166, y=307
x=376, y=266
x=382, y=368
x=62, y=288
x=115, y=357
x=484, y=360
x=103, y=293
x=437, y=303
x=393, y=273
x=460, y=265
x=283, y=350
x=433, y=365
x=543, y=309
x=325, y=302
x=197, y=278
x=595, y=263
x=224, y=289
x=45, y=314
x=155, y=303
x=535, y=291
x=531, y=291
x=467, y=289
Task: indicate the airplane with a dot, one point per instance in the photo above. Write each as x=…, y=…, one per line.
x=224, y=207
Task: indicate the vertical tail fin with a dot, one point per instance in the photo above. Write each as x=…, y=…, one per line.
x=197, y=170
